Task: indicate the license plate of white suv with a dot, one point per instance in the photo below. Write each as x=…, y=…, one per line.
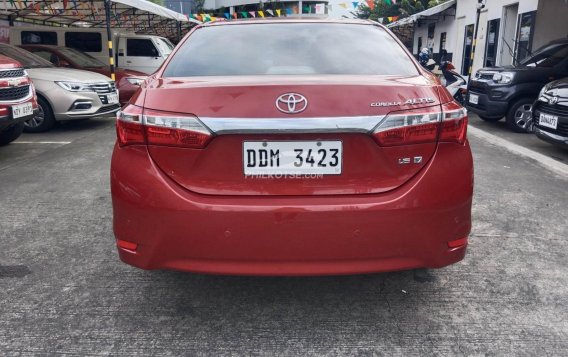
x=292, y=157
x=550, y=121
x=112, y=98
x=22, y=110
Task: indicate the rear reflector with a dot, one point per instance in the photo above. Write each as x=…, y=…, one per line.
x=126, y=245
x=457, y=243
x=446, y=123
x=138, y=126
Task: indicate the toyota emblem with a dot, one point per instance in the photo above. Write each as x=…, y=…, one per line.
x=291, y=103
x=553, y=100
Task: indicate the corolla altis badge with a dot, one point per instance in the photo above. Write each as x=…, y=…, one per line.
x=291, y=103
x=413, y=101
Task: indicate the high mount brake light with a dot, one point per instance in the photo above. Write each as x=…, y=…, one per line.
x=447, y=123
x=137, y=126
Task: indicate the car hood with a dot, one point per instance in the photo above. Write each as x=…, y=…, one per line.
x=65, y=74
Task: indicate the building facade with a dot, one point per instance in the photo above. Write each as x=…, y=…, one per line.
x=509, y=30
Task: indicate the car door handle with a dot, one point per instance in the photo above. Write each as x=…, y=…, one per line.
x=128, y=61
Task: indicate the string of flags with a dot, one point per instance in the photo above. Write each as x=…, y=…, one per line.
x=294, y=10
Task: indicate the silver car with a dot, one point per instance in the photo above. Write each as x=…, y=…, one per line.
x=63, y=93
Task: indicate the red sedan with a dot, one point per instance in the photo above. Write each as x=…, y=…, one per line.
x=291, y=147
x=127, y=81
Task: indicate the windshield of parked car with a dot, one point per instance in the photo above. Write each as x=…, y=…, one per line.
x=27, y=59
x=548, y=56
x=290, y=49
x=81, y=59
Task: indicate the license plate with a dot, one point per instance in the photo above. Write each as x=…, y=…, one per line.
x=112, y=98
x=22, y=110
x=473, y=98
x=550, y=121
x=292, y=157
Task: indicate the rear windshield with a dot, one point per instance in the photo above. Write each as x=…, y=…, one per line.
x=290, y=49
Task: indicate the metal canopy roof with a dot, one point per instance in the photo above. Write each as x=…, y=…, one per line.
x=426, y=13
x=140, y=16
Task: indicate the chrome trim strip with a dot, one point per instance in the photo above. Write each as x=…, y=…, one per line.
x=358, y=124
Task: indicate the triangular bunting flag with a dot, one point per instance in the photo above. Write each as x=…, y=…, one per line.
x=355, y=4
x=278, y=12
x=235, y=15
x=371, y=4
x=343, y=5
x=227, y=15
x=244, y=14
x=270, y=12
x=252, y=13
x=260, y=13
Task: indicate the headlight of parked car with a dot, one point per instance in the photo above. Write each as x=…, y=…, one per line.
x=75, y=86
x=503, y=77
x=134, y=80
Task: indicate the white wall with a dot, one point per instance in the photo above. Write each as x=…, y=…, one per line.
x=551, y=22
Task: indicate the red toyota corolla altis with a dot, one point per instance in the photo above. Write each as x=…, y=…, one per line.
x=291, y=147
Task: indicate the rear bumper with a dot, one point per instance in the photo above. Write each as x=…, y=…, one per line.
x=409, y=227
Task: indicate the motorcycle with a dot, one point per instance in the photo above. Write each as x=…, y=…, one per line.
x=454, y=82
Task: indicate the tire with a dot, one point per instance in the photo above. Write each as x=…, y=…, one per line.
x=11, y=133
x=519, y=117
x=43, y=121
x=489, y=119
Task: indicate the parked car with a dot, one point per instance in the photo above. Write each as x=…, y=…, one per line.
x=72, y=58
x=550, y=113
x=291, y=147
x=64, y=93
x=143, y=53
x=17, y=99
x=510, y=91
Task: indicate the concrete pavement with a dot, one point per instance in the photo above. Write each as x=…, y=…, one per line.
x=63, y=289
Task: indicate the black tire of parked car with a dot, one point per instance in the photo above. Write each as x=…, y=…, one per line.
x=11, y=133
x=519, y=117
x=490, y=119
x=43, y=121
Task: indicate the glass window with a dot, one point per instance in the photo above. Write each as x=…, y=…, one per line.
x=467, y=47
x=46, y=55
x=525, y=29
x=290, y=49
x=84, y=41
x=141, y=47
x=39, y=38
x=491, y=42
x=27, y=59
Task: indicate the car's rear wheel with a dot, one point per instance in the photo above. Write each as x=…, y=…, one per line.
x=43, y=120
x=490, y=119
x=519, y=118
x=10, y=134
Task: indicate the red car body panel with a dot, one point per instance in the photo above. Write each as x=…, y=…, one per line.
x=125, y=89
x=192, y=209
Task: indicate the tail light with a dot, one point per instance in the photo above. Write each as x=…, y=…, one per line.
x=447, y=123
x=138, y=126
x=454, y=123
